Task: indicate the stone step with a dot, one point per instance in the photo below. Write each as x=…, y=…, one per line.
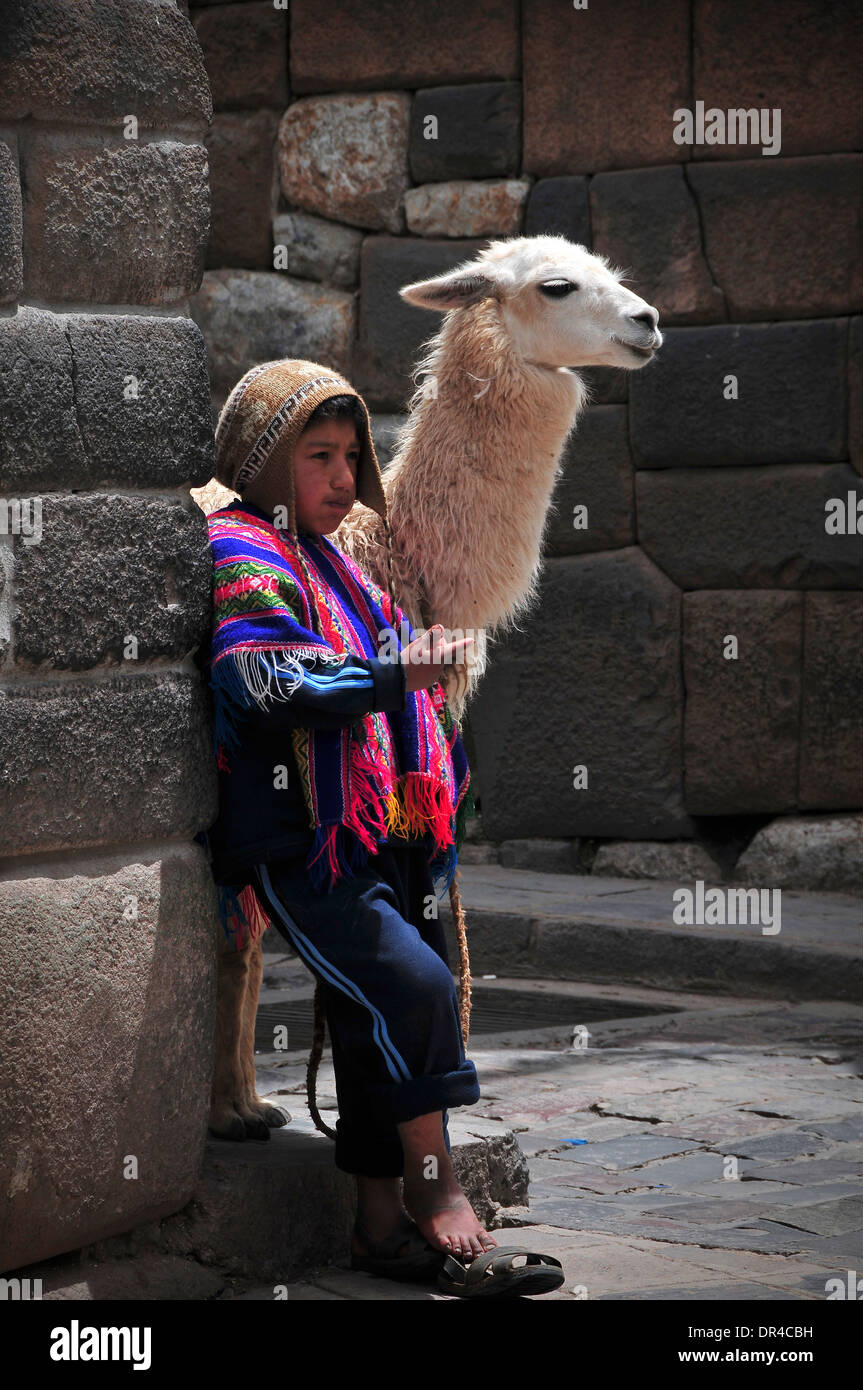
x=580, y=927
x=269, y=1213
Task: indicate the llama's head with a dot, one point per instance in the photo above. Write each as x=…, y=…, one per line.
x=561, y=305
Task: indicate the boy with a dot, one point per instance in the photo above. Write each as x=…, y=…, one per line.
x=342, y=792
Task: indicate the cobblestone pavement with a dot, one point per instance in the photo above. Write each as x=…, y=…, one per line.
x=715, y=1152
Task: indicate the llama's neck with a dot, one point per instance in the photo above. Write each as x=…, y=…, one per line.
x=470, y=487
x=472, y=367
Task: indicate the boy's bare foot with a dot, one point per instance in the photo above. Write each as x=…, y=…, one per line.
x=361, y=1236
x=380, y=1215
x=447, y=1219
x=433, y=1195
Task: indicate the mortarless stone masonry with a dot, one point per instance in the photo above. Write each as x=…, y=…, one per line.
x=714, y=464
x=107, y=908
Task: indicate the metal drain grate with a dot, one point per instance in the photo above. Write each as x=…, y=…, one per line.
x=492, y=1011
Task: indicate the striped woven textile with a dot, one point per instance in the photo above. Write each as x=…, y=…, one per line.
x=279, y=598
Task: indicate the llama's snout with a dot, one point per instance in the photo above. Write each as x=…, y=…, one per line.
x=649, y=318
x=645, y=337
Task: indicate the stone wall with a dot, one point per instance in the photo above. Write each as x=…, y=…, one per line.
x=107, y=908
x=350, y=157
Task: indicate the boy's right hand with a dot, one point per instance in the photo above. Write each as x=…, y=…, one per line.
x=428, y=656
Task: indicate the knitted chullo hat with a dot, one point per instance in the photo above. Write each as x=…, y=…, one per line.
x=264, y=416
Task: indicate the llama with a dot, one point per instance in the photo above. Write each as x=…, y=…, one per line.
x=468, y=493
x=470, y=486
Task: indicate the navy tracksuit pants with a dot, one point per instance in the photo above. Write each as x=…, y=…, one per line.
x=391, y=1004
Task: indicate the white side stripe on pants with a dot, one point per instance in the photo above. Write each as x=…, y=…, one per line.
x=395, y=1063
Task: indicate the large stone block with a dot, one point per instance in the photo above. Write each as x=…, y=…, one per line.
x=759, y=528
x=742, y=716
x=798, y=55
x=782, y=237
x=391, y=331
x=245, y=49
x=466, y=132
x=318, y=249
x=248, y=317
x=90, y=763
x=810, y=852
x=601, y=84
x=112, y=579
x=646, y=221
x=96, y=61
x=662, y=859
x=594, y=680
x=244, y=189
x=789, y=406
x=410, y=44
x=559, y=207
x=90, y=400
x=107, y=1012
x=463, y=208
x=597, y=474
x=160, y=436
x=39, y=433
x=855, y=393
x=831, y=730
x=346, y=157
x=132, y=221
x=11, y=261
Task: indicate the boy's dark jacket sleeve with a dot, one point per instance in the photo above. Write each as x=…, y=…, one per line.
x=264, y=819
x=331, y=697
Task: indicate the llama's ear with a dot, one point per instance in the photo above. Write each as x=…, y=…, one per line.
x=453, y=291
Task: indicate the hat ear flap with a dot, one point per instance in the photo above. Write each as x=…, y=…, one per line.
x=285, y=513
x=370, y=487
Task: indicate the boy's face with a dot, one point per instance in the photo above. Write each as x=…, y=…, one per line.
x=326, y=460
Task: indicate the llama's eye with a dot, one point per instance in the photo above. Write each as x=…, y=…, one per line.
x=557, y=289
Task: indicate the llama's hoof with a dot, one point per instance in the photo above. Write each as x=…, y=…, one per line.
x=273, y=1115
x=227, y=1125
x=255, y=1127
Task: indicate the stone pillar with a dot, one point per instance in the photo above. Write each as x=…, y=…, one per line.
x=107, y=907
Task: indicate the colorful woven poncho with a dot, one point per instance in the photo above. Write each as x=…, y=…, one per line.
x=405, y=771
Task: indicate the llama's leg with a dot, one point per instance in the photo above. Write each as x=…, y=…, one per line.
x=253, y=1110
x=233, y=969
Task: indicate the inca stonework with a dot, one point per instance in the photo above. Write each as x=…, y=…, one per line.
x=700, y=485
x=107, y=908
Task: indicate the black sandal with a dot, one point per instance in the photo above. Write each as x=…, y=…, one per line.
x=422, y=1262
x=495, y=1275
